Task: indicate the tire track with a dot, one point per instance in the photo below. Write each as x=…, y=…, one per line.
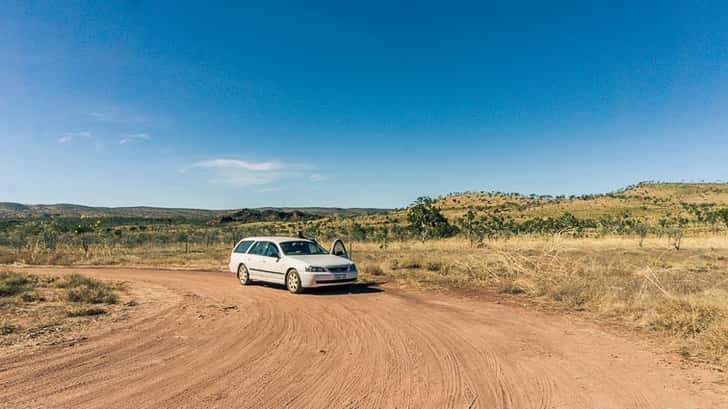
x=370, y=349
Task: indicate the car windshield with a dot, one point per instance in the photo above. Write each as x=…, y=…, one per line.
x=302, y=248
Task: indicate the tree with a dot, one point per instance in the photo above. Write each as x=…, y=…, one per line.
x=183, y=236
x=468, y=226
x=723, y=215
x=384, y=232
x=675, y=234
x=18, y=240
x=641, y=229
x=85, y=232
x=358, y=232
x=426, y=221
x=49, y=235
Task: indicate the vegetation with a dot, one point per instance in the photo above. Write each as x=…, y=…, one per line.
x=19, y=211
x=37, y=308
x=669, y=211
x=426, y=221
x=652, y=256
x=13, y=284
x=680, y=295
x=81, y=289
x=86, y=312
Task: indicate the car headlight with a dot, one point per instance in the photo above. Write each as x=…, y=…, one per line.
x=315, y=269
x=352, y=268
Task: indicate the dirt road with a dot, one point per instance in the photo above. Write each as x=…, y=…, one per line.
x=200, y=340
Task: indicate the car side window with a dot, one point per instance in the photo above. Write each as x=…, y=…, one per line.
x=243, y=246
x=258, y=248
x=271, y=250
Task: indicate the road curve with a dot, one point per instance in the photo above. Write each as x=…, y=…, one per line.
x=200, y=340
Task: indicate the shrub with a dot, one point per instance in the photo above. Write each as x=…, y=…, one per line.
x=684, y=317
x=77, y=280
x=86, y=312
x=82, y=289
x=408, y=263
x=15, y=283
x=373, y=269
x=512, y=287
x=31, y=297
x=91, y=295
x=7, y=329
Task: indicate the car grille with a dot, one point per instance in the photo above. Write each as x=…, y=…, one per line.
x=338, y=269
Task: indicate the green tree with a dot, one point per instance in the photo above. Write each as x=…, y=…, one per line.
x=722, y=215
x=468, y=226
x=426, y=221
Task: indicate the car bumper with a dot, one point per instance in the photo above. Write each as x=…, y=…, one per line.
x=313, y=280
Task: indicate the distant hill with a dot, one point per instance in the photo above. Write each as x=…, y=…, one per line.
x=693, y=193
x=647, y=200
x=9, y=210
x=266, y=215
x=17, y=210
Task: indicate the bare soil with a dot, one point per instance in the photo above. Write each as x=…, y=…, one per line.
x=200, y=340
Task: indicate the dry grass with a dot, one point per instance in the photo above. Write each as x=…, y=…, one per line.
x=167, y=255
x=38, y=309
x=681, y=294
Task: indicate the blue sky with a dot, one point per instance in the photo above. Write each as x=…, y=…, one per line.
x=341, y=104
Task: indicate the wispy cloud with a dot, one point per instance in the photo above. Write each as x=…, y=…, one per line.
x=134, y=137
x=241, y=164
x=117, y=116
x=71, y=136
x=101, y=115
x=249, y=173
x=317, y=177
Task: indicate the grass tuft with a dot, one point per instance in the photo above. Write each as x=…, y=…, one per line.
x=373, y=269
x=81, y=289
x=31, y=296
x=38, y=308
x=7, y=329
x=12, y=284
x=86, y=312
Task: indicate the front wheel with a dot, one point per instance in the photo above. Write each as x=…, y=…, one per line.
x=293, y=282
x=243, y=275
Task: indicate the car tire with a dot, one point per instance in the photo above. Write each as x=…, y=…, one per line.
x=243, y=275
x=293, y=282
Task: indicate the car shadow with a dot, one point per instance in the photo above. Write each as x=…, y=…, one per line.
x=368, y=287
x=356, y=288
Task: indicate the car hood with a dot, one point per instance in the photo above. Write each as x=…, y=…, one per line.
x=323, y=260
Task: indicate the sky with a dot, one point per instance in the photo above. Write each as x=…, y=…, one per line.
x=355, y=104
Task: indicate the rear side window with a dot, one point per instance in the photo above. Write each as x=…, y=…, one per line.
x=243, y=246
x=258, y=248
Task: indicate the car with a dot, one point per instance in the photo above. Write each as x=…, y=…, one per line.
x=297, y=263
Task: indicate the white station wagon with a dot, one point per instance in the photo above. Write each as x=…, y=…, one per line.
x=294, y=262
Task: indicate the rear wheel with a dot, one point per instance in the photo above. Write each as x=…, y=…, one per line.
x=243, y=275
x=293, y=282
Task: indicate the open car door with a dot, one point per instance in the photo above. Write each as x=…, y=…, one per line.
x=339, y=249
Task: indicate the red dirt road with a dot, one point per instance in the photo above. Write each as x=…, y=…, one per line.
x=200, y=340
